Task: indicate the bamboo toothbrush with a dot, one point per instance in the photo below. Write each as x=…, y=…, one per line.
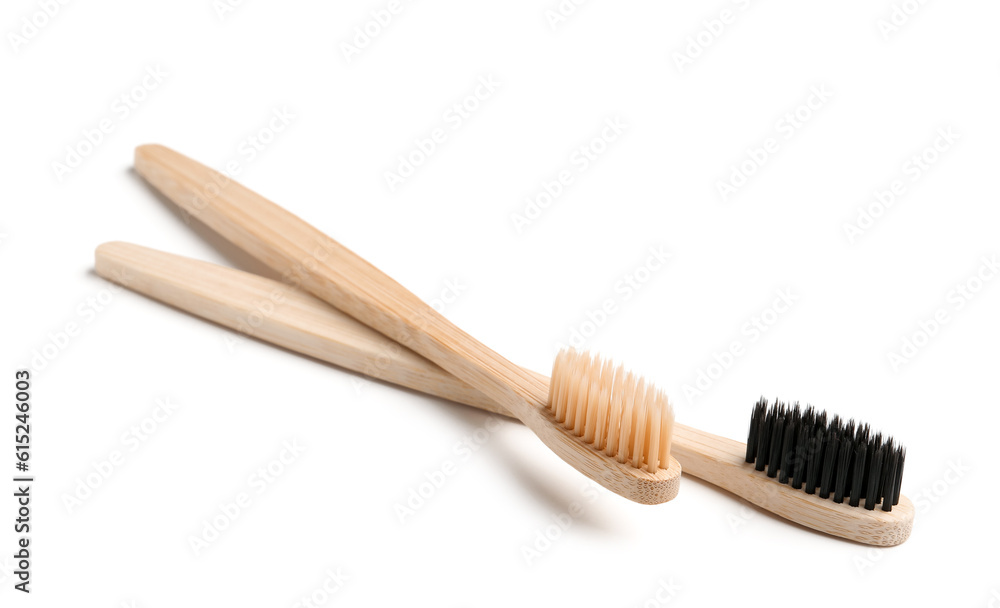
x=610, y=425
x=304, y=324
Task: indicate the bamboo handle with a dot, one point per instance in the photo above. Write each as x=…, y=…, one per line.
x=327, y=269
x=274, y=312
x=307, y=325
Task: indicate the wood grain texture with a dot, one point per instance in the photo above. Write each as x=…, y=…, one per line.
x=320, y=265
x=271, y=311
x=302, y=323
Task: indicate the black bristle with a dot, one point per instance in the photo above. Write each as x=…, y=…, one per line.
x=758, y=413
x=873, y=445
x=830, y=451
x=764, y=439
x=809, y=416
x=863, y=433
x=858, y=472
x=843, y=468
x=899, y=476
x=850, y=436
x=888, y=473
x=871, y=494
x=814, y=460
x=788, y=445
x=810, y=451
x=889, y=478
x=777, y=437
x=799, y=464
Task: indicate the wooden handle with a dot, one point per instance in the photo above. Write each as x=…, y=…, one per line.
x=308, y=258
x=307, y=325
x=274, y=312
x=330, y=271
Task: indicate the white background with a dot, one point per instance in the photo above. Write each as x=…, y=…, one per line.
x=687, y=125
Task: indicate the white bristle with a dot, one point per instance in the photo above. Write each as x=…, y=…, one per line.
x=607, y=406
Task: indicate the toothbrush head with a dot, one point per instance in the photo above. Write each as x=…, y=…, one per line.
x=612, y=409
x=845, y=460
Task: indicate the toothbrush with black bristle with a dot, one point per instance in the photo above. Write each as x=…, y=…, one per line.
x=802, y=449
x=824, y=473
